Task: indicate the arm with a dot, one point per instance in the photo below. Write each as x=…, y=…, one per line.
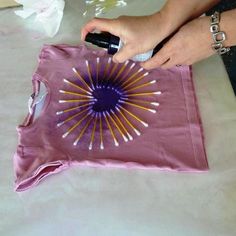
x=143, y=33
x=193, y=42
x=178, y=12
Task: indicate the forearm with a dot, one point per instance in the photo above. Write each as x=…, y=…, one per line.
x=177, y=12
x=227, y=24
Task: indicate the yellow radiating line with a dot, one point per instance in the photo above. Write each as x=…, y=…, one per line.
x=77, y=107
x=122, y=134
x=111, y=130
x=112, y=71
x=141, y=94
x=131, y=114
x=119, y=121
x=135, y=81
x=138, y=106
x=141, y=101
x=130, y=78
x=76, y=94
x=137, y=100
x=101, y=133
x=120, y=71
x=77, y=114
x=83, y=130
x=126, y=73
x=93, y=131
x=81, y=79
x=76, y=86
x=128, y=122
x=76, y=100
x=108, y=64
x=89, y=73
x=77, y=124
x=139, y=86
x=97, y=69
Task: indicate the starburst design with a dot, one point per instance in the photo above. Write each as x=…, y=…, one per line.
x=102, y=100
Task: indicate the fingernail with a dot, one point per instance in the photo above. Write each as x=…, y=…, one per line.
x=114, y=60
x=143, y=65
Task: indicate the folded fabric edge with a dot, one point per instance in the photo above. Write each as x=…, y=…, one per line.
x=55, y=167
x=197, y=135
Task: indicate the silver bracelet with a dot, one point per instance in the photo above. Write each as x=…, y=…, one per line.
x=218, y=36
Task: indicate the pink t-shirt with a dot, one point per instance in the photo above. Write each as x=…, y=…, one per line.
x=102, y=114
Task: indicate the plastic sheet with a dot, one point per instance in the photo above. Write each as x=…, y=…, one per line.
x=98, y=7
x=48, y=13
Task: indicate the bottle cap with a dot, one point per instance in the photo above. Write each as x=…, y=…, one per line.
x=100, y=40
x=104, y=40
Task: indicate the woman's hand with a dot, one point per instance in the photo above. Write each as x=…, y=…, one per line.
x=190, y=44
x=138, y=33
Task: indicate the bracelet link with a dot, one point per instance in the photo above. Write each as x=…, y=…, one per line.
x=223, y=50
x=214, y=28
x=216, y=46
x=218, y=36
x=215, y=18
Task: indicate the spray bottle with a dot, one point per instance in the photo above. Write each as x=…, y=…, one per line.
x=113, y=44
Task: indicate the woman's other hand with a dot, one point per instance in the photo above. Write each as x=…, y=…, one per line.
x=190, y=44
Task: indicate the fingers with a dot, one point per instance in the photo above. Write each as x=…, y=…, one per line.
x=170, y=63
x=100, y=24
x=163, y=62
x=174, y=52
x=158, y=60
x=171, y=54
x=126, y=52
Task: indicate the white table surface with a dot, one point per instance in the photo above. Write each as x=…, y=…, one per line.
x=115, y=202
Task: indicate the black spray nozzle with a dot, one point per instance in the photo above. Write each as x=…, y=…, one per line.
x=111, y=42
x=104, y=40
x=100, y=40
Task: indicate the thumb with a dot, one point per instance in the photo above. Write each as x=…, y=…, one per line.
x=126, y=52
x=100, y=24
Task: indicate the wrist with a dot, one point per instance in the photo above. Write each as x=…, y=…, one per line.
x=163, y=24
x=174, y=19
x=218, y=35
